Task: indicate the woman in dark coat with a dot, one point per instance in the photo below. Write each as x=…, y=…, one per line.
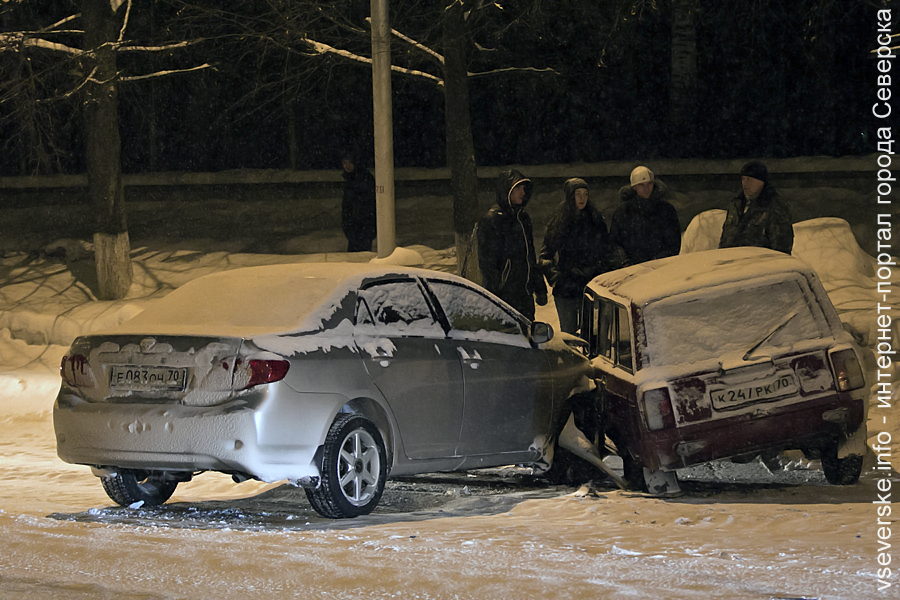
x=576, y=249
x=506, y=253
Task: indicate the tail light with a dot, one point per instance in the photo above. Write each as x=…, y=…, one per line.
x=658, y=408
x=256, y=372
x=76, y=371
x=847, y=370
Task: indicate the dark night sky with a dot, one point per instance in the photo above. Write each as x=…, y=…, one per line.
x=774, y=79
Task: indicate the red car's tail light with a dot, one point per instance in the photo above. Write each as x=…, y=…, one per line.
x=76, y=372
x=658, y=407
x=260, y=371
x=847, y=371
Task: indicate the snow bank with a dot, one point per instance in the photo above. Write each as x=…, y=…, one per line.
x=828, y=245
x=405, y=257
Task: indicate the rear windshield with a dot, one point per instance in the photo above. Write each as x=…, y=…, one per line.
x=242, y=302
x=732, y=320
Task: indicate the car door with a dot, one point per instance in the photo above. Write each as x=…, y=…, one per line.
x=414, y=365
x=506, y=380
x=610, y=339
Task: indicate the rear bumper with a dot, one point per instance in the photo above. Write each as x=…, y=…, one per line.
x=267, y=436
x=805, y=425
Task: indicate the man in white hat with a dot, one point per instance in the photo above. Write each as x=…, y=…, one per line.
x=645, y=225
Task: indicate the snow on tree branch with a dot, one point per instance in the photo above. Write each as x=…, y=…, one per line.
x=321, y=48
x=164, y=73
x=114, y=5
x=11, y=42
x=511, y=69
x=62, y=22
x=414, y=43
x=159, y=48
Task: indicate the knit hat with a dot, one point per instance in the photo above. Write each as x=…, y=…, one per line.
x=641, y=175
x=755, y=169
x=575, y=183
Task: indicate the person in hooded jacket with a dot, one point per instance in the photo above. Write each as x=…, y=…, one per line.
x=575, y=250
x=358, y=217
x=645, y=225
x=757, y=216
x=506, y=253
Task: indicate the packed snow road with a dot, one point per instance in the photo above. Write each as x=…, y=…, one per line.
x=737, y=532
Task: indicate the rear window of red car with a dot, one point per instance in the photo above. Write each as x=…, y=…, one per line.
x=761, y=317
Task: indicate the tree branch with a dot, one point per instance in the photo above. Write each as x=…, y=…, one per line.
x=62, y=22
x=14, y=41
x=321, y=48
x=511, y=69
x=164, y=73
x=431, y=53
x=159, y=48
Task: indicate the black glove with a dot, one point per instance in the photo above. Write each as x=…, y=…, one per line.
x=541, y=298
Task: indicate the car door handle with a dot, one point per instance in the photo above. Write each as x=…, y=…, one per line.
x=381, y=358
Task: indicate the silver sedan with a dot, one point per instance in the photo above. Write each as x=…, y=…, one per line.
x=332, y=376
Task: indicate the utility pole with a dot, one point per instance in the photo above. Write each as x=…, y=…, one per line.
x=384, y=127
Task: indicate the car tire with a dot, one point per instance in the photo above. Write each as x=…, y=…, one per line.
x=354, y=469
x=840, y=471
x=128, y=486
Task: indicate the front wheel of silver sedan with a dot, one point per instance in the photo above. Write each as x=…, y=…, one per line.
x=128, y=486
x=353, y=471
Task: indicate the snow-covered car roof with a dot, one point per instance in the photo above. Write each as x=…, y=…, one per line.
x=261, y=300
x=657, y=279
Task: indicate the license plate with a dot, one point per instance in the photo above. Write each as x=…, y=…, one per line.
x=142, y=379
x=780, y=385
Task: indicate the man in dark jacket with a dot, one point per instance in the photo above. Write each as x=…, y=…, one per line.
x=358, y=205
x=575, y=250
x=757, y=216
x=645, y=226
x=506, y=254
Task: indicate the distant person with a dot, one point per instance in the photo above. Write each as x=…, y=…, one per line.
x=645, y=225
x=757, y=216
x=358, y=205
x=575, y=250
x=506, y=253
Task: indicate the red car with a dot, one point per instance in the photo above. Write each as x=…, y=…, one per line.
x=722, y=354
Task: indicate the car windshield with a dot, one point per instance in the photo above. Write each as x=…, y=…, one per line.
x=745, y=320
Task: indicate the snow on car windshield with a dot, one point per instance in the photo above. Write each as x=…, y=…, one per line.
x=734, y=318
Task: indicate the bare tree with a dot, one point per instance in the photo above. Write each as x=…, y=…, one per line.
x=94, y=79
x=438, y=52
x=683, y=78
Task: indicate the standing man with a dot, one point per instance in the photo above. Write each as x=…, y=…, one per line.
x=645, y=225
x=758, y=216
x=358, y=205
x=506, y=247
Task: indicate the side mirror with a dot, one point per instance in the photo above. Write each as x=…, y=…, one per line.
x=541, y=332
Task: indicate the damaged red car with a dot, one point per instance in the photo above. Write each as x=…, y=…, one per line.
x=721, y=354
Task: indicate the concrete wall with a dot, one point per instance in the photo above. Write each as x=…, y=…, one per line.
x=813, y=186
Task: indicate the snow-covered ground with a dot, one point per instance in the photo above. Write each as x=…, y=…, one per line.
x=737, y=532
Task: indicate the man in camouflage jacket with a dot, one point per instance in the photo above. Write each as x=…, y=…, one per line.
x=758, y=216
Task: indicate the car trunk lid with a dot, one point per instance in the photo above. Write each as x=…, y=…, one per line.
x=190, y=370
